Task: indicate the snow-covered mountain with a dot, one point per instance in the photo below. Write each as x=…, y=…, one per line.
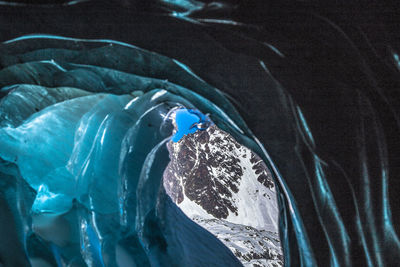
x=228, y=190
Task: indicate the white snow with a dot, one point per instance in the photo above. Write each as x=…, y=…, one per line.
x=257, y=204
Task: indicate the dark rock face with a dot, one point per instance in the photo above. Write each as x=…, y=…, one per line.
x=264, y=176
x=206, y=167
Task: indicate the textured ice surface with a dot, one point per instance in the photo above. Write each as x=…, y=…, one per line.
x=319, y=87
x=84, y=128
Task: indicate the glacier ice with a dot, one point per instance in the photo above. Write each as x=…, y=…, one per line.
x=83, y=148
x=188, y=121
x=326, y=110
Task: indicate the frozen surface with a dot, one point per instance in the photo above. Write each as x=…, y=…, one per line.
x=83, y=148
x=187, y=121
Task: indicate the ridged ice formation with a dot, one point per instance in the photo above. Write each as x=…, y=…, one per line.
x=84, y=128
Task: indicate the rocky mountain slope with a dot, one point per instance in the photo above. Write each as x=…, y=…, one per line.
x=228, y=190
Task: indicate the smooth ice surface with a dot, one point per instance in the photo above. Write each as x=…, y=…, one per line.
x=83, y=138
x=188, y=121
x=185, y=121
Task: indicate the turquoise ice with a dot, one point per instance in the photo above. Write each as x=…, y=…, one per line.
x=84, y=132
x=188, y=121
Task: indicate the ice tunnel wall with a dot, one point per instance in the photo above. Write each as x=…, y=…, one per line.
x=75, y=114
